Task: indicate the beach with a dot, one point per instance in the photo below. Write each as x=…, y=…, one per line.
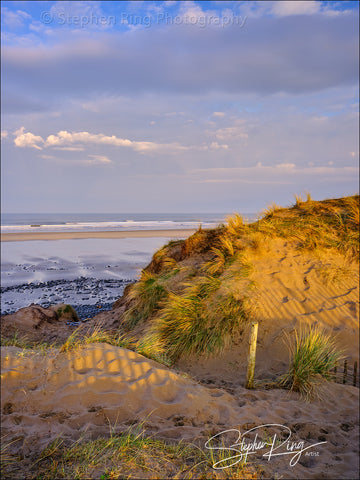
x=27, y=236
x=84, y=259
x=85, y=269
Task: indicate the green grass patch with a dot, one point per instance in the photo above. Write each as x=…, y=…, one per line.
x=23, y=341
x=313, y=356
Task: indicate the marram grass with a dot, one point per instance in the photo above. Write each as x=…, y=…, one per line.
x=192, y=324
x=313, y=356
x=146, y=295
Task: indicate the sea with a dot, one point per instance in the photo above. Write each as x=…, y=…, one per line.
x=89, y=222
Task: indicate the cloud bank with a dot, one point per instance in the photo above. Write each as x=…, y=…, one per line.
x=178, y=106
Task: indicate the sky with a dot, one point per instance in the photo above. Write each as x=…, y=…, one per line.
x=177, y=106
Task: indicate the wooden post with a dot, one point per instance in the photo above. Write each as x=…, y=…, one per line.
x=345, y=371
x=252, y=355
x=355, y=372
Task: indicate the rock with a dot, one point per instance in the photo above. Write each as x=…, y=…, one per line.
x=65, y=312
x=36, y=324
x=32, y=317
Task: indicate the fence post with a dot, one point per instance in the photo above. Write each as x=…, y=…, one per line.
x=345, y=371
x=252, y=355
x=355, y=372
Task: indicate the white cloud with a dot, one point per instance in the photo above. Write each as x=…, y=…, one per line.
x=268, y=174
x=75, y=141
x=191, y=11
x=73, y=9
x=217, y=146
x=14, y=19
x=64, y=138
x=24, y=140
x=231, y=133
x=285, y=8
x=285, y=166
x=4, y=133
x=70, y=149
x=219, y=114
x=99, y=159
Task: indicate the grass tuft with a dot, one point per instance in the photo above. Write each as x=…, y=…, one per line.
x=24, y=342
x=146, y=295
x=333, y=274
x=313, y=356
x=197, y=321
x=7, y=458
x=235, y=225
x=79, y=338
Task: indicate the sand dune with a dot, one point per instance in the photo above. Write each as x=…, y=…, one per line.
x=101, y=385
x=87, y=391
x=291, y=294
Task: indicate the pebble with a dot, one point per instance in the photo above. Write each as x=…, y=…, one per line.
x=76, y=292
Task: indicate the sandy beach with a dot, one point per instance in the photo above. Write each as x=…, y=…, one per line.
x=26, y=236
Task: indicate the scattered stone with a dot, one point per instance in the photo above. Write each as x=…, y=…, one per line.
x=72, y=292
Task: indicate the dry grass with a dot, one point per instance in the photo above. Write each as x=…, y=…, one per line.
x=131, y=454
x=271, y=209
x=6, y=458
x=202, y=241
x=334, y=274
x=314, y=224
x=235, y=225
x=84, y=336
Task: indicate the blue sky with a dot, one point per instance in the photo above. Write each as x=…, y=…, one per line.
x=177, y=106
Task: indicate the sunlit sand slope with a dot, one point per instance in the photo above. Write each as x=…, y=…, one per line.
x=102, y=388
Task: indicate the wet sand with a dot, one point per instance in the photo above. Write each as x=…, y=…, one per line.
x=26, y=236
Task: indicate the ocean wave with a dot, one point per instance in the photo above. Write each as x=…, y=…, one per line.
x=107, y=226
